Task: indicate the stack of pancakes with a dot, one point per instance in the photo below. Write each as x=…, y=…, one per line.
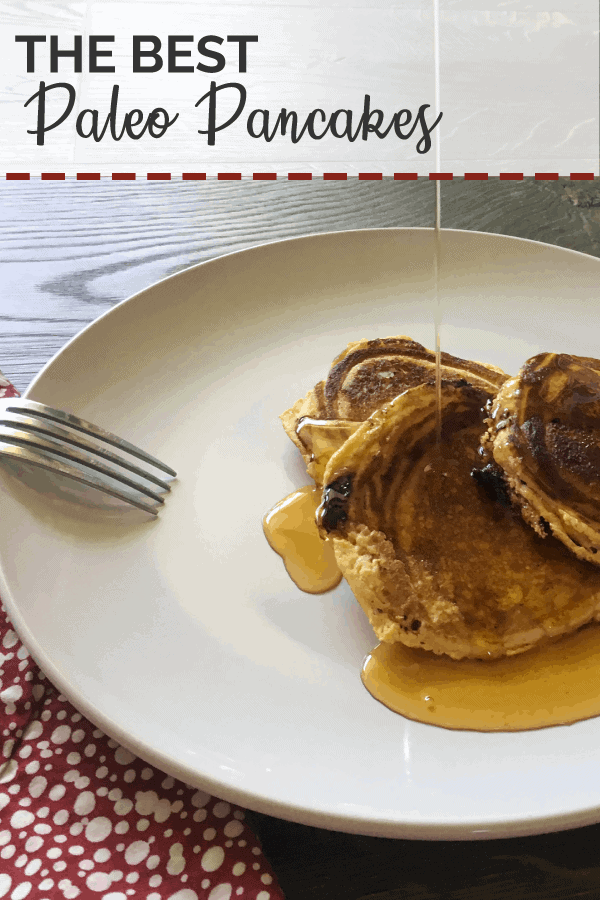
x=482, y=566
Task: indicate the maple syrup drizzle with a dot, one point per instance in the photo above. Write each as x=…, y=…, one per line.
x=557, y=683
x=322, y=437
x=437, y=151
x=291, y=530
x=438, y=312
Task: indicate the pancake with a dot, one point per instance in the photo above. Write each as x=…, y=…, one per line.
x=544, y=441
x=362, y=378
x=432, y=559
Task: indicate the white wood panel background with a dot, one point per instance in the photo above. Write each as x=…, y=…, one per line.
x=518, y=83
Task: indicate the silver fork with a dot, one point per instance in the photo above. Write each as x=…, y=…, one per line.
x=64, y=444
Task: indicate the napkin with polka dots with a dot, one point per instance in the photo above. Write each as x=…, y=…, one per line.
x=81, y=816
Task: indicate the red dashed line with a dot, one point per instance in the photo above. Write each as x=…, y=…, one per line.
x=302, y=176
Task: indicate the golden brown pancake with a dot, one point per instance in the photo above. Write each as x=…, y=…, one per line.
x=362, y=378
x=433, y=561
x=544, y=436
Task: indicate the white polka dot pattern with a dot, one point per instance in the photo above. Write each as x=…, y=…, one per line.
x=82, y=817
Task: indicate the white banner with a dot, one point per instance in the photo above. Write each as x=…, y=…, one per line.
x=413, y=88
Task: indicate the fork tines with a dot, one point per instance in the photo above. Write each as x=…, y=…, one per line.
x=65, y=444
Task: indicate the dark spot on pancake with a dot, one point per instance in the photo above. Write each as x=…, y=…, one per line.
x=341, y=486
x=491, y=480
x=415, y=625
x=333, y=510
x=332, y=516
x=545, y=526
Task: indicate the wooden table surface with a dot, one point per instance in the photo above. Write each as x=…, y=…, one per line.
x=71, y=250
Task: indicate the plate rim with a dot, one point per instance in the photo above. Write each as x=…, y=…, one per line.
x=308, y=815
x=304, y=237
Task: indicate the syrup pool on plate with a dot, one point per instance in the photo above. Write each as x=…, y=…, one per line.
x=291, y=530
x=557, y=683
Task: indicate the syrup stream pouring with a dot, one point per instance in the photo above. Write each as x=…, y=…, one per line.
x=438, y=313
x=438, y=221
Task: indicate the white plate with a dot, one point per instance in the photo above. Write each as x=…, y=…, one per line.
x=184, y=638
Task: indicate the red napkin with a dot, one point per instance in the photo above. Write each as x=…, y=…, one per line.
x=81, y=816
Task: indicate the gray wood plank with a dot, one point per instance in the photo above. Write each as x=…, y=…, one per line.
x=71, y=250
